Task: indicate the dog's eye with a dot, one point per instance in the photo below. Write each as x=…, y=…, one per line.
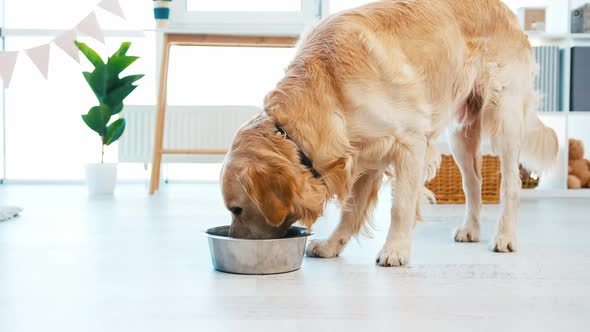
x=236, y=210
x=280, y=131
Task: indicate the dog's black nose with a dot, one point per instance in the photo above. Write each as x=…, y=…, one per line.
x=236, y=210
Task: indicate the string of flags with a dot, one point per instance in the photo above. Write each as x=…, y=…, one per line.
x=40, y=55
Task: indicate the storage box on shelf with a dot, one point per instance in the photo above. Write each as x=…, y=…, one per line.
x=580, y=19
x=580, y=79
x=532, y=18
x=547, y=83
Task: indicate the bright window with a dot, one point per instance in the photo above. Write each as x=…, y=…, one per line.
x=340, y=5
x=216, y=76
x=516, y=4
x=45, y=136
x=245, y=6
x=64, y=14
x=225, y=75
x=238, y=16
x=2, y=132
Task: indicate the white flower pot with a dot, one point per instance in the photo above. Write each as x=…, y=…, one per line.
x=101, y=178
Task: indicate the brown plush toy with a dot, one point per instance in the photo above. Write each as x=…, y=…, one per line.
x=578, y=167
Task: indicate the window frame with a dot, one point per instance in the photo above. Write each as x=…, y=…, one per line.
x=35, y=32
x=266, y=23
x=236, y=22
x=2, y=103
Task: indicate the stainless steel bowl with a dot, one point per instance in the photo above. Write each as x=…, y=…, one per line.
x=244, y=256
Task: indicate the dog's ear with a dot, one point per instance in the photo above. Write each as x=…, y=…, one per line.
x=272, y=188
x=337, y=177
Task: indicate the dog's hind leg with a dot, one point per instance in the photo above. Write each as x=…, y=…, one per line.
x=507, y=140
x=505, y=239
x=355, y=213
x=465, y=144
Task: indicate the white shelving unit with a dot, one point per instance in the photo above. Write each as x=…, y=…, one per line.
x=566, y=123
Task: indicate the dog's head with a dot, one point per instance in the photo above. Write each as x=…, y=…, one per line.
x=264, y=185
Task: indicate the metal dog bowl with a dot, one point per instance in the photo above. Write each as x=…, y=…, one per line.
x=244, y=256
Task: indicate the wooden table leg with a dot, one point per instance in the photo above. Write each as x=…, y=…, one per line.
x=160, y=117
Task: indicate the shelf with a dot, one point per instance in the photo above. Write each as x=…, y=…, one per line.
x=579, y=114
x=558, y=36
x=547, y=36
x=555, y=193
x=553, y=114
x=565, y=114
x=580, y=36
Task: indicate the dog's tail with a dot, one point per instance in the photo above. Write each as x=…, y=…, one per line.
x=540, y=147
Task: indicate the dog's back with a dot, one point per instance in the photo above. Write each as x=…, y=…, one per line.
x=371, y=88
x=436, y=38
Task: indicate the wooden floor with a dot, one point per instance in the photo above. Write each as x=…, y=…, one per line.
x=140, y=263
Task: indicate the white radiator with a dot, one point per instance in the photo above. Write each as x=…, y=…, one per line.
x=187, y=127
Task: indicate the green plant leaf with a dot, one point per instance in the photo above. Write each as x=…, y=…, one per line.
x=123, y=49
x=88, y=76
x=130, y=79
x=120, y=90
x=97, y=119
x=97, y=82
x=114, y=131
x=90, y=54
x=116, y=109
x=108, y=87
x=117, y=64
x=116, y=97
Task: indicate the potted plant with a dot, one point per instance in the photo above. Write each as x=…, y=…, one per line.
x=110, y=90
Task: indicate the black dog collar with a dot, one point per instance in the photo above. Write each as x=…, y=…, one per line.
x=303, y=158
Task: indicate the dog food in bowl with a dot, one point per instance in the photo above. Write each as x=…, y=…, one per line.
x=244, y=256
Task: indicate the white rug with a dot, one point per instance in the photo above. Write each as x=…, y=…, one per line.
x=7, y=212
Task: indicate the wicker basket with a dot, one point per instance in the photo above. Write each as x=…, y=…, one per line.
x=447, y=185
x=529, y=179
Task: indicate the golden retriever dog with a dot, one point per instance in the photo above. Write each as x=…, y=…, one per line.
x=367, y=94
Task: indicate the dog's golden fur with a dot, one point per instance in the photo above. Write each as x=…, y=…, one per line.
x=366, y=95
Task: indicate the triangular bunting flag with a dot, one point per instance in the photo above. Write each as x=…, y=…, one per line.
x=40, y=57
x=89, y=26
x=113, y=7
x=7, y=63
x=66, y=43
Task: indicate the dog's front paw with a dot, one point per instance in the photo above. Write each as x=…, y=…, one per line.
x=468, y=233
x=394, y=255
x=323, y=249
x=503, y=243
